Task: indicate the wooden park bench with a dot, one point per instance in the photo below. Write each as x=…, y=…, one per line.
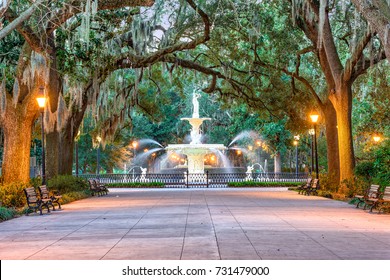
x=54, y=197
x=97, y=188
x=371, y=193
x=382, y=202
x=101, y=186
x=313, y=188
x=303, y=188
x=35, y=203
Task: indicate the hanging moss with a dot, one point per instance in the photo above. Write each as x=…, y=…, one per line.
x=3, y=97
x=16, y=92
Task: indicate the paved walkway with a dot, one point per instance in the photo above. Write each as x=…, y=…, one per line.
x=199, y=224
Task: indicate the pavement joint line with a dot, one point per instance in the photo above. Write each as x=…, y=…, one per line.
x=302, y=232
x=212, y=222
x=239, y=224
x=132, y=227
x=51, y=244
x=315, y=240
x=185, y=227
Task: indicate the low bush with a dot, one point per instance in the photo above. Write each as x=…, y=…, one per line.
x=12, y=195
x=331, y=188
x=73, y=196
x=68, y=184
x=7, y=213
x=246, y=184
x=136, y=185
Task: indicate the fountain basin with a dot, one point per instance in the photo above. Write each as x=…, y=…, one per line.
x=195, y=154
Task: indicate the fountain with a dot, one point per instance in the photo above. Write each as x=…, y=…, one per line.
x=195, y=150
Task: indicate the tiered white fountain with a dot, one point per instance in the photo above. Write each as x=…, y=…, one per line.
x=195, y=150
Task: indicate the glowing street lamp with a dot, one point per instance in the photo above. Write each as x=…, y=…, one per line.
x=376, y=138
x=41, y=99
x=314, y=119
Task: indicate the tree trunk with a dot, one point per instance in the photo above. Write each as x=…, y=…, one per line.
x=277, y=163
x=342, y=102
x=52, y=154
x=332, y=141
x=65, y=163
x=17, y=144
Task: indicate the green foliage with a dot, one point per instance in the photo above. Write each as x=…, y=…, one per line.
x=341, y=191
x=262, y=184
x=376, y=170
x=348, y=188
x=36, y=182
x=73, y=196
x=137, y=185
x=382, y=164
x=277, y=136
x=12, y=195
x=68, y=184
x=365, y=169
x=7, y=213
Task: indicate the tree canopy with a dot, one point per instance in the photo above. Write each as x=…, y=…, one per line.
x=126, y=69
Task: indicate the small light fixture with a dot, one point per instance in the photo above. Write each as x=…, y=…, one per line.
x=314, y=117
x=296, y=137
x=41, y=99
x=376, y=138
x=99, y=139
x=134, y=144
x=295, y=142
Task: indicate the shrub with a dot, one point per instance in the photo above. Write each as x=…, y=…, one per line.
x=73, y=196
x=365, y=169
x=381, y=164
x=136, y=185
x=246, y=184
x=36, y=182
x=68, y=184
x=7, y=213
x=328, y=185
x=12, y=195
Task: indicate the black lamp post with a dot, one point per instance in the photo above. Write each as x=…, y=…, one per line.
x=41, y=99
x=296, y=143
x=311, y=132
x=77, y=152
x=98, y=139
x=314, y=118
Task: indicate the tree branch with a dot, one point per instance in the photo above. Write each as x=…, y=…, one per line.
x=75, y=7
x=356, y=55
x=20, y=19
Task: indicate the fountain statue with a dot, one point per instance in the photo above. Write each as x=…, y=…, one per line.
x=195, y=150
x=249, y=173
x=195, y=104
x=143, y=174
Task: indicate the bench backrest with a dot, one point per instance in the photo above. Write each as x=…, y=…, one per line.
x=92, y=184
x=315, y=184
x=373, y=191
x=31, y=195
x=386, y=193
x=44, y=192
